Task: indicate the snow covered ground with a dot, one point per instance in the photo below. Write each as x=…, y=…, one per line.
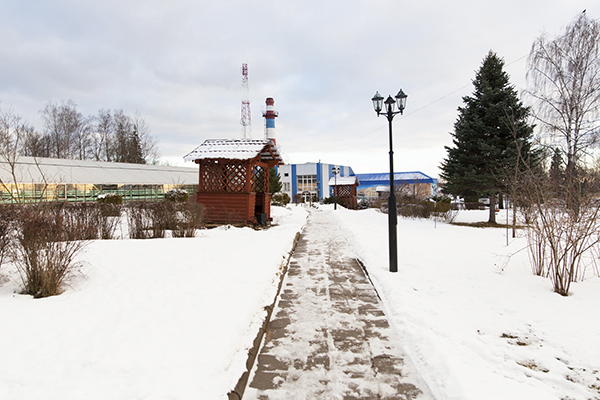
x=475, y=320
x=145, y=319
x=173, y=318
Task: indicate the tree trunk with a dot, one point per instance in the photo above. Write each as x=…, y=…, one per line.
x=492, y=219
x=514, y=219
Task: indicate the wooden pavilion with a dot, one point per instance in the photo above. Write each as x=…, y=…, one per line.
x=234, y=179
x=345, y=189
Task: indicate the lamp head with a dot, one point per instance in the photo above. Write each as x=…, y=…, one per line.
x=401, y=100
x=377, y=102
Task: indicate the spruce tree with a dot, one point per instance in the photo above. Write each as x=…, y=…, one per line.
x=274, y=181
x=490, y=132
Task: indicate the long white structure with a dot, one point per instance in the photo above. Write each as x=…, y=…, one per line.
x=34, y=179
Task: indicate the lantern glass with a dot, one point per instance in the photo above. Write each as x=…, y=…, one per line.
x=389, y=102
x=377, y=102
x=401, y=100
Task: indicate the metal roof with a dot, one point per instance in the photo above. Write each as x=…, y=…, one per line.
x=236, y=149
x=57, y=170
x=404, y=177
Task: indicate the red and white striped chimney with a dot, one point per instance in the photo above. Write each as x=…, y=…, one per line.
x=270, y=115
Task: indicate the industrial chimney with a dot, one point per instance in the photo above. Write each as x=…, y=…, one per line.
x=270, y=115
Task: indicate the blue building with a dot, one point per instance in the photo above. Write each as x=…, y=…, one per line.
x=411, y=183
x=313, y=179
x=309, y=179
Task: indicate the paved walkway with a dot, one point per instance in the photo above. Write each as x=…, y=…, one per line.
x=329, y=338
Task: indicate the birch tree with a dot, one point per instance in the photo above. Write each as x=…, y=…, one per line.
x=564, y=82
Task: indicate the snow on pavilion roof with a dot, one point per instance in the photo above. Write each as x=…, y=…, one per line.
x=343, y=181
x=236, y=149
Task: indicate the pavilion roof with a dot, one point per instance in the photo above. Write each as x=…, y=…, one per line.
x=236, y=149
x=343, y=181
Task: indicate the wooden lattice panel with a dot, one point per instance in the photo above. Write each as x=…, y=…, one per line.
x=343, y=191
x=259, y=180
x=219, y=176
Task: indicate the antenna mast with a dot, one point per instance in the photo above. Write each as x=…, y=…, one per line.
x=245, y=121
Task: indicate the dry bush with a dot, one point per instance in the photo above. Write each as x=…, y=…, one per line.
x=109, y=219
x=442, y=208
x=411, y=210
x=162, y=216
x=47, y=242
x=82, y=219
x=190, y=218
x=138, y=219
x=562, y=232
x=177, y=195
x=109, y=198
x=7, y=218
x=152, y=219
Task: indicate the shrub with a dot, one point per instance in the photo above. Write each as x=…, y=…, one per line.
x=443, y=203
x=163, y=216
x=82, y=220
x=109, y=219
x=363, y=204
x=442, y=207
x=329, y=200
x=177, y=195
x=154, y=219
x=109, y=198
x=280, y=199
x=422, y=210
x=47, y=242
x=190, y=218
x=7, y=217
x=138, y=220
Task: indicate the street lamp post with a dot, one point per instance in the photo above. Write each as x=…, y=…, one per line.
x=335, y=171
x=390, y=105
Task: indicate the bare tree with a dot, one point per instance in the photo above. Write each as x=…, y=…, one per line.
x=148, y=145
x=123, y=132
x=120, y=137
x=68, y=131
x=103, y=136
x=34, y=144
x=12, y=131
x=564, y=77
x=83, y=137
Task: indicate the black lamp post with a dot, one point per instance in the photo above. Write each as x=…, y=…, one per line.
x=389, y=112
x=335, y=171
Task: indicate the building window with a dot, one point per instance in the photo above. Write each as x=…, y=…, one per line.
x=286, y=174
x=286, y=186
x=307, y=183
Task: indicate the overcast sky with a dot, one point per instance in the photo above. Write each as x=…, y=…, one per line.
x=179, y=64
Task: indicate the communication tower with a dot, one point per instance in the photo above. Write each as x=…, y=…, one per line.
x=246, y=120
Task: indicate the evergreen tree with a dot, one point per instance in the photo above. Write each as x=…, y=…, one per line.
x=490, y=132
x=274, y=182
x=134, y=151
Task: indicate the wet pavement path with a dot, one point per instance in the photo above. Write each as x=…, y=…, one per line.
x=329, y=337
